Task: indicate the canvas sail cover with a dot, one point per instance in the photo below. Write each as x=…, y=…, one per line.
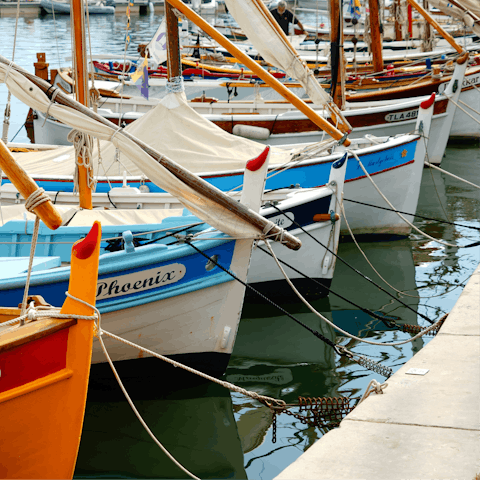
x=273, y=45
x=466, y=10
x=62, y=161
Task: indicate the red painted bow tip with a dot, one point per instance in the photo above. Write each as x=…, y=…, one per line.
x=85, y=247
x=428, y=103
x=255, y=163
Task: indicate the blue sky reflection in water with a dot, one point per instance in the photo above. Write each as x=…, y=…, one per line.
x=221, y=435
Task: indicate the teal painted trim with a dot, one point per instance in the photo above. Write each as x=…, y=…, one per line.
x=114, y=263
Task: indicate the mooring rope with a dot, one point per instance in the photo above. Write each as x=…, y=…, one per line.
x=343, y=332
x=373, y=386
x=431, y=165
x=402, y=217
x=462, y=109
x=366, y=258
x=355, y=270
x=37, y=198
x=413, y=214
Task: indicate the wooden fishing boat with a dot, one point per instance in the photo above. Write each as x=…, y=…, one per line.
x=400, y=154
x=395, y=164
x=175, y=293
x=275, y=126
x=63, y=7
x=315, y=212
x=190, y=69
x=175, y=296
x=276, y=123
x=45, y=365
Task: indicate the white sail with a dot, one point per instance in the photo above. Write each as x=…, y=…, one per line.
x=263, y=32
x=200, y=205
x=466, y=10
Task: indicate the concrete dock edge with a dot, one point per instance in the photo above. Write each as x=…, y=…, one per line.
x=423, y=426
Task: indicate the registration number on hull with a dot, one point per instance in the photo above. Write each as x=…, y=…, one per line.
x=399, y=116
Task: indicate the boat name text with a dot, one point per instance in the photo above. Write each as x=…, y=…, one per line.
x=140, y=281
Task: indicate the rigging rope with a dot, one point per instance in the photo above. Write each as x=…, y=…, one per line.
x=343, y=332
x=431, y=165
x=6, y=118
x=402, y=217
x=355, y=270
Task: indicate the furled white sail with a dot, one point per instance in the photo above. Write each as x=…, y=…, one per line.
x=273, y=45
x=466, y=10
x=200, y=205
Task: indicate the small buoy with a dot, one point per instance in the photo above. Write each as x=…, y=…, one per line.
x=249, y=131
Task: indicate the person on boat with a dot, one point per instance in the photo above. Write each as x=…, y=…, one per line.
x=285, y=17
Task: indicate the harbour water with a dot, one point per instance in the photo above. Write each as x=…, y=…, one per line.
x=220, y=434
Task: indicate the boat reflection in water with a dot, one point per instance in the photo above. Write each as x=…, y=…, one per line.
x=196, y=425
x=394, y=262
x=272, y=356
x=275, y=356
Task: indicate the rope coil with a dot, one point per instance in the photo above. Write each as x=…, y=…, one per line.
x=83, y=144
x=36, y=199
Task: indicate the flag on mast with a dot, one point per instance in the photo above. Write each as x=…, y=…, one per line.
x=158, y=44
x=140, y=77
x=355, y=9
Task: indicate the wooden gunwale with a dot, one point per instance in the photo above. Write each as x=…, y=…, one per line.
x=31, y=331
x=283, y=126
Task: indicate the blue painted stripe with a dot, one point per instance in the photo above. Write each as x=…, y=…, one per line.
x=306, y=175
x=52, y=285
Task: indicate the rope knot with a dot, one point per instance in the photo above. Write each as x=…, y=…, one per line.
x=36, y=199
x=83, y=144
x=52, y=100
x=278, y=237
x=32, y=312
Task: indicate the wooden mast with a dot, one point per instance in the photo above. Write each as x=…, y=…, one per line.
x=398, y=27
x=173, y=43
x=261, y=72
x=336, y=38
x=81, y=90
x=428, y=28
x=377, y=52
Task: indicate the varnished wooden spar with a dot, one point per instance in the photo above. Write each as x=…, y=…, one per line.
x=377, y=48
x=336, y=37
x=78, y=16
x=187, y=177
x=173, y=43
x=436, y=25
x=261, y=72
x=26, y=186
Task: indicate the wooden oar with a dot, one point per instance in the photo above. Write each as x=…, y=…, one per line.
x=261, y=72
x=26, y=186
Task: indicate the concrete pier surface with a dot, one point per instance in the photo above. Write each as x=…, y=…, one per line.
x=423, y=427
